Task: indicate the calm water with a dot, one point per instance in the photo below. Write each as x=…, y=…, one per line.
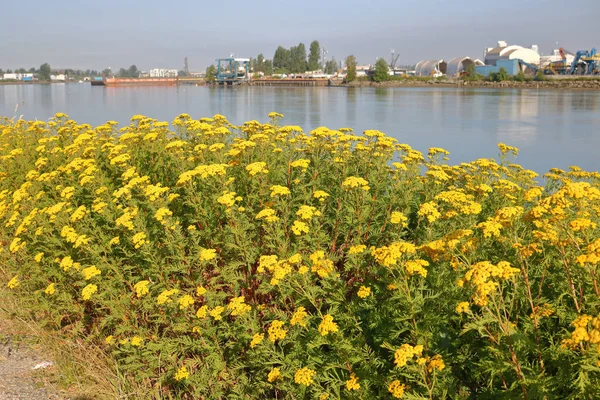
x=552, y=128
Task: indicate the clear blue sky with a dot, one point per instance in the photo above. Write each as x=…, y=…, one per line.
x=159, y=34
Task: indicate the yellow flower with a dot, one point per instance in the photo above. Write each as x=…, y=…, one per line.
x=13, y=283
x=256, y=339
x=324, y=396
x=88, y=291
x=405, y=353
x=139, y=239
x=358, y=249
x=114, y=241
x=299, y=317
x=181, y=374
x=268, y=214
x=354, y=182
x=202, y=312
x=299, y=228
x=196, y=329
x=278, y=190
x=16, y=245
x=109, y=340
x=327, y=325
x=352, y=383
x=320, y=195
x=141, y=288
x=304, y=376
x=227, y=198
x=303, y=269
x=200, y=291
x=50, y=289
x=396, y=389
x=276, y=332
x=208, y=254
x=161, y=213
x=307, y=212
x=90, y=272
x=300, y=163
x=216, y=313
x=274, y=374
x=364, y=292
x=398, y=218
x=462, y=307
x=165, y=296
x=257, y=168
x=185, y=301
x=137, y=341
x=436, y=363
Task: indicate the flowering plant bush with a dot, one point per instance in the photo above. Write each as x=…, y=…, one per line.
x=260, y=261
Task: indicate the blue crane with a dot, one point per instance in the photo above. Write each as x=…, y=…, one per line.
x=588, y=57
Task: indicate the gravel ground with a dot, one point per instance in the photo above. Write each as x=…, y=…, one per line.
x=17, y=378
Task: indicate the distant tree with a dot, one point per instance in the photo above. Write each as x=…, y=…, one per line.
x=44, y=72
x=351, y=66
x=520, y=77
x=9, y=71
x=281, y=59
x=314, y=56
x=21, y=71
x=132, y=72
x=1, y=71
x=107, y=72
x=298, y=59
x=381, y=70
x=260, y=63
x=211, y=74
x=182, y=73
x=268, y=67
x=122, y=73
x=470, y=71
x=331, y=67
x=32, y=70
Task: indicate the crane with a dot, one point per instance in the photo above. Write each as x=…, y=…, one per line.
x=589, y=58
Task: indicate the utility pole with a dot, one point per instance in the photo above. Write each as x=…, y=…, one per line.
x=323, y=53
x=185, y=66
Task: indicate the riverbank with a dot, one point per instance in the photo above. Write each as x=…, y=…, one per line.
x=574, y=83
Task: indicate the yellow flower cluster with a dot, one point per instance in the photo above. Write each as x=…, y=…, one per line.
x=304, y=376
x=276, y=331
x=354, y=182
x=327, y=325
x=405, y=353
x=480, y=276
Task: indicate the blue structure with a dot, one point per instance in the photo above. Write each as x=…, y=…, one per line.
x=589, y=58
x=232, y=70
x=511, y=67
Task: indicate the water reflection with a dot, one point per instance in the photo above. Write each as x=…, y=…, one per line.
x=553, y=128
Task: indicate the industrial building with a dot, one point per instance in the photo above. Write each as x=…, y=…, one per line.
x=513, y=52
x=18, y=76
x=431, y=68
x=458, y=65
x=163, y=73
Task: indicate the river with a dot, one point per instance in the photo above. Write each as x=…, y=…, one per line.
x=553, y=128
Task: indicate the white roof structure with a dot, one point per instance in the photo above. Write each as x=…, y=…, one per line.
x=460, y=64
x=431, y=67
x=505, y=52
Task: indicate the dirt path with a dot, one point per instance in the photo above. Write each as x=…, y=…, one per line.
x=18, y=379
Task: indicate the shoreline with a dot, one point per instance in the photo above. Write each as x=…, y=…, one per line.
x=582, y=83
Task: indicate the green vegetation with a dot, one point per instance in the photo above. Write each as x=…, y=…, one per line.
x=351, y=66
x=211, y=74
x=45, y=71
x=381, y=71
x=314, y=62
x=131, y=72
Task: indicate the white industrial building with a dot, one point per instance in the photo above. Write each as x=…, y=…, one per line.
x=431, y=68
x=461, y=64
x=505, y=52
x=163, y=73
x=58, y=78
x=17, y=76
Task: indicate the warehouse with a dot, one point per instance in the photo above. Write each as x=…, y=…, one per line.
x=431, y=68
x=513, y=52
x=461, y=64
